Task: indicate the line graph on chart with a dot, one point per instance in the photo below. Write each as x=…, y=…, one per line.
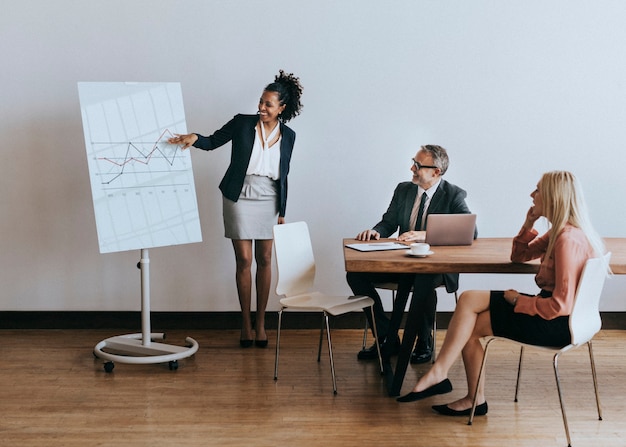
x=138, y=158
x=142, y=186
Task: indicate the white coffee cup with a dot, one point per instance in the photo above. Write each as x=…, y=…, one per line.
x=420, y=248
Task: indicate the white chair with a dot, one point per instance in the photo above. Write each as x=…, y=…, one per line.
x=584, y=324
x=296, y=276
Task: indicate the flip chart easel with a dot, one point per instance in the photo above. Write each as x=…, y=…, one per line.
x=143, y=193
x=140, y=348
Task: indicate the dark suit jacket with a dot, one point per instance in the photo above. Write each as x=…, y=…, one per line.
x=241, y=131
x=448, y=199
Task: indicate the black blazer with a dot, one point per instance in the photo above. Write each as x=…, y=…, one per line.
x=241, y=130
x=448, y=199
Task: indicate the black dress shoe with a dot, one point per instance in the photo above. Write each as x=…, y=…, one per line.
x=260, y=343
x=418, y=357
x=387, y=349
x=245, y=343
x=443, y=387
x=445, y=410
x=368, y=353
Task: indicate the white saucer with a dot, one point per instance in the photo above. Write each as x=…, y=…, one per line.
x=421, y=255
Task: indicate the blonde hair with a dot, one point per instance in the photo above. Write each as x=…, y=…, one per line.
x=564, y=203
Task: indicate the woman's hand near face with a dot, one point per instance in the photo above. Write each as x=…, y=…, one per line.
x=531, y=218
x=183, y=140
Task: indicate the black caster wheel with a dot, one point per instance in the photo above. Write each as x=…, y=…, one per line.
x=108, y=366
x=173, y=365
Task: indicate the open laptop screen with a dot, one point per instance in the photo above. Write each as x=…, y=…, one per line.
x=450, y=229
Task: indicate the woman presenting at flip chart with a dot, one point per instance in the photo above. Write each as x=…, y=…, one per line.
x=254, y=190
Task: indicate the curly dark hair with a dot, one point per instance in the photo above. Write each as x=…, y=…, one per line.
x=289, y=92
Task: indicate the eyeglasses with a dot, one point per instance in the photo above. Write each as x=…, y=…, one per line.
x=419, y=166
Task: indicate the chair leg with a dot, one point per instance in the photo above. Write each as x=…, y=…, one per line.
x=558, y=388
x=555, y=364
x=330, y=353
x=481, y=377
x=434, y=349
x=319, y=346
x=365, y=334
x=280, y=319
x=375, y=330
x=595, y=380
x=519, y=372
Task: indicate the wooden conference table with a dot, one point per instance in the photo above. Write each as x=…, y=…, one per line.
x=485, y=255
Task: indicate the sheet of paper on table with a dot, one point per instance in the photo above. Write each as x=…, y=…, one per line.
x=378, y=246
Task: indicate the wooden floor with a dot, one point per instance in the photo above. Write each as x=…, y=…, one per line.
x=53, y=392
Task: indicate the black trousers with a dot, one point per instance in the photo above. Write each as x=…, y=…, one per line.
x=362, y=283
x=424, y=300
x=424, y=297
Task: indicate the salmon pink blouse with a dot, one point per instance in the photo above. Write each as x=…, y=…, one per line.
x=558, y=274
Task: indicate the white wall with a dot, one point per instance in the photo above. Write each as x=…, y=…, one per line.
x=511, y=89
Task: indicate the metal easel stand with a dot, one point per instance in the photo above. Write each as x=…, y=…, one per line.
x=140, y=348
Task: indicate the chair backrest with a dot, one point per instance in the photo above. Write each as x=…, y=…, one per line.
x=294, y=258
x=585, y=322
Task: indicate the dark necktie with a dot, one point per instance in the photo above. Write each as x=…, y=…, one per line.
x=420, y=213
x=417, y=213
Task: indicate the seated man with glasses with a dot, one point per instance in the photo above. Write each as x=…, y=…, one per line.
x=412, y=202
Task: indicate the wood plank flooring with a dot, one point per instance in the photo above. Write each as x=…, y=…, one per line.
x=53, y=392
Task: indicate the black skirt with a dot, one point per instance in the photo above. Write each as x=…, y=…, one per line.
x=531, y=329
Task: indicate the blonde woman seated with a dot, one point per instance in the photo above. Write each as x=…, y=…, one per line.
x=540, y=319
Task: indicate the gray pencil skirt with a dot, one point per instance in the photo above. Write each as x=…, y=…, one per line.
x=254, y=215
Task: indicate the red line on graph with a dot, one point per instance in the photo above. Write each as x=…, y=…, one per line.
x=144, y=159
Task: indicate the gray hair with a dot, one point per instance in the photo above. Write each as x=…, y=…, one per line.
x=439, y=156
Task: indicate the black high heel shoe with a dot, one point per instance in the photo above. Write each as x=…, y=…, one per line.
x=245, y=343
x=260, y=343
x=443, y=387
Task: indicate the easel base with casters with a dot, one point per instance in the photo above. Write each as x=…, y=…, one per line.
x=141, y=348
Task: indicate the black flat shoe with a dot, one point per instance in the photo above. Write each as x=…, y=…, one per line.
x=260, y=343
x=245, y=343
x=443, y=387
x=445, y=410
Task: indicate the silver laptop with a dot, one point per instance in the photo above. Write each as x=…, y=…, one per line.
x=450, y=229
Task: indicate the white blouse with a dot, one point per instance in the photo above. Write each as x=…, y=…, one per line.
x=265, y=161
